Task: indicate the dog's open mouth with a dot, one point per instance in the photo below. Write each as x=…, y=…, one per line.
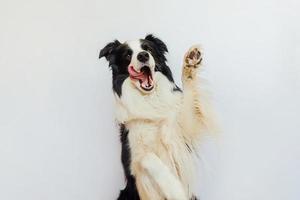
x=144, y=77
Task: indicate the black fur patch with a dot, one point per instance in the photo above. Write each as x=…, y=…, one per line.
x=130, y=191
x=158, y=50
x=119, y=56
x=177, y=89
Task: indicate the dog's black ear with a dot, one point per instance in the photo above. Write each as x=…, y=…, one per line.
x=108, y=49
x=162, y=47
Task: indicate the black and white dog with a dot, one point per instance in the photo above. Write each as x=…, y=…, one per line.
x=160, y=124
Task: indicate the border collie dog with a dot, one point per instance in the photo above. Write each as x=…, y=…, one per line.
x=160, y=123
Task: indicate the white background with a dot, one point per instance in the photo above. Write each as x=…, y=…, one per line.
x=58, y=138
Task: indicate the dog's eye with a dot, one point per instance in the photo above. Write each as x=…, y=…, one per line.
x=128, y=54
x=145, y=47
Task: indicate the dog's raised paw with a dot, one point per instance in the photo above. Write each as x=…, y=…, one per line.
x=193, y=57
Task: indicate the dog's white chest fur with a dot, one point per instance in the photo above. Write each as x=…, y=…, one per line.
x=152, y=121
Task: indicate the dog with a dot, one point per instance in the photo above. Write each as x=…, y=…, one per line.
x=160, y=123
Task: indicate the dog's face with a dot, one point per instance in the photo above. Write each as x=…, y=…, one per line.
x=137, y=60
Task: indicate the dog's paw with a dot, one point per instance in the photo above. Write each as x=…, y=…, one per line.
x=193, y=57
x=191, y=63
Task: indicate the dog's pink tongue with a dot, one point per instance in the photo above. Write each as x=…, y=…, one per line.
x=133, y=73
x=136, y=75
x=146, y=81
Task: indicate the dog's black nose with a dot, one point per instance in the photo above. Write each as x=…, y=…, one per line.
x=143, y=56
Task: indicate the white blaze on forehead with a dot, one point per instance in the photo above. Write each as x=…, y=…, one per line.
x=135, y=46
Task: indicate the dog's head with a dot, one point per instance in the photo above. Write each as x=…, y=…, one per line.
x=138, y=60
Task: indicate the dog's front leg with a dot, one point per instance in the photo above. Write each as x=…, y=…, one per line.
x=160, y=174
x=193, y=116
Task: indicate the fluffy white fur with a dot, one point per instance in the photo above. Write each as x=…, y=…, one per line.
x=164, y=127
